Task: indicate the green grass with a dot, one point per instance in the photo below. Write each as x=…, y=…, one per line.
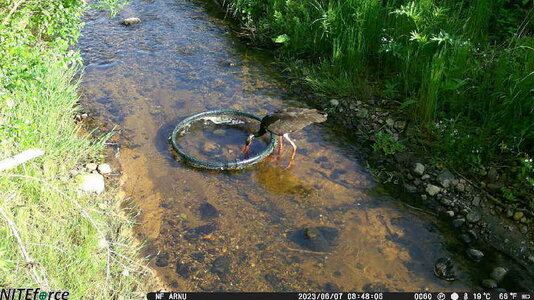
x=75, y=242
x=463, y=70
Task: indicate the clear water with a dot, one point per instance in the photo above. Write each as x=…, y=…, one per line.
x=182, y=60
x=220, y=141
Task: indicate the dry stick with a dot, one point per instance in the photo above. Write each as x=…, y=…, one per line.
x=20, y=158
x=27, y=258
x=308, y=251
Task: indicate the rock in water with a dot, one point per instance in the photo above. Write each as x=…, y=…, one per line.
x=320, y=239
x=444, y=269
x=208, y=211
x=221, y=265
x=130, y=21
x=183, y=269
x=162, y=260
x=91, y=183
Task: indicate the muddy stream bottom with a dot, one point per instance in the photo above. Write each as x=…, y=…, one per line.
x=321, y=225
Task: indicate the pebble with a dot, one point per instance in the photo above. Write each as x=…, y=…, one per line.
x=524, y=229
x=531, y=258
x=465, y=238
x=450, y=213
x=498, y=273
x=458, y=222
x=445, y=178
x=410, y=188
x=446, y=202
x=460, y=187
x=400, y=125
x=104, y=169
x=390, y=122
x=432, y=190
x=91, y=183
x=518, y=215
x=425, y=177
x=91, y=166
x=473, y=217
x=474, y=254
x=419, y=169
x=131, y=21
x=476, y=201
x=334, y=102
x=489, y=283
x=362, y=113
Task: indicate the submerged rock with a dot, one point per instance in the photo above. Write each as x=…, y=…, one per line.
x=200, y=231
x=131, y=21
x=183, y=269
x=320, y=239
x=221, y=265
x=444, y=269
x=91, y=183
x=208, y=211
x=162, y=260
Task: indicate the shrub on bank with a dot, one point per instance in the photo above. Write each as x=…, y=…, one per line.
x=462, y=71
x=50, y=236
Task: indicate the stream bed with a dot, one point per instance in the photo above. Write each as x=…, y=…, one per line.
x=323, y=225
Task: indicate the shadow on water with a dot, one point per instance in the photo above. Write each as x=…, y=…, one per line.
x=321, y=225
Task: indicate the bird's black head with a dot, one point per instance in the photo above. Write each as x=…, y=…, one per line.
x=248, y=142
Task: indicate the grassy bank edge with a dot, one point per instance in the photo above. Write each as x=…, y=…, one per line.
x=52, y=236
x=432, y=143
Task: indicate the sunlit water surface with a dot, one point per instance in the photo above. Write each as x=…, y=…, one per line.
x=243, y=231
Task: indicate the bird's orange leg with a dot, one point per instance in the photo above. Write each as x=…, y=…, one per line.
x=279, y=150
x=292, y=160
x=280, y=145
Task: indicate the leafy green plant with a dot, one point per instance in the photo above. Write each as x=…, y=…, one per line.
x=385, y=143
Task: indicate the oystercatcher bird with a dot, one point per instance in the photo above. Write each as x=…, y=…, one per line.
x=283, y=122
